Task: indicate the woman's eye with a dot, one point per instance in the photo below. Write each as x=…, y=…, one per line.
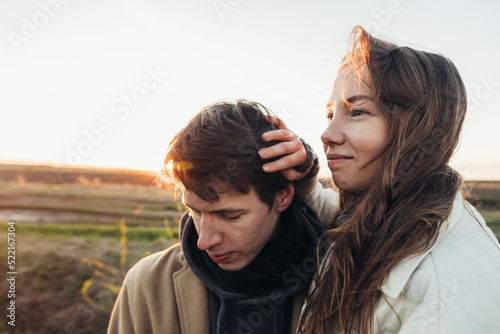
x=329, y=117
x=358, y=112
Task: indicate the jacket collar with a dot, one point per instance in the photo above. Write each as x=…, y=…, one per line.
x=399, y=276
x=192, y=300
x=191, y=297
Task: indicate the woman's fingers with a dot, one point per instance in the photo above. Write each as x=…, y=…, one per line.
x=282, y=134
x=284, y=148
x=291, y=174
x=293, y=155
x=276, y=121
x=291, y=149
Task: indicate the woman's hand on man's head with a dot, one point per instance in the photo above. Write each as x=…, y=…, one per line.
x=294, y=164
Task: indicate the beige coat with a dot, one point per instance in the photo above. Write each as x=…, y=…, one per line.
x=162, y=295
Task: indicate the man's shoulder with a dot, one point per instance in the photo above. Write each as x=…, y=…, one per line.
x=165, y=262
x=161, y=294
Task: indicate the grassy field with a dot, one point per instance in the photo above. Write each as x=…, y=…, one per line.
x=485, y=196
x=76, y=241
x=52, y=272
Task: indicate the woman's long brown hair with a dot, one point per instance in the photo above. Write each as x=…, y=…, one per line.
x=399, y=214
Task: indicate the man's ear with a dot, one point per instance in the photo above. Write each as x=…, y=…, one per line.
x=284, y=198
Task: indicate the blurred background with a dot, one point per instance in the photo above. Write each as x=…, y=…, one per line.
x=91, y=93
x=108, y=83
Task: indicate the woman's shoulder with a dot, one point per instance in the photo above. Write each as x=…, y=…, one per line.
x=454, y=287
x=465, y=247
x=322, y=199
x=469, y=250
x=470, y=244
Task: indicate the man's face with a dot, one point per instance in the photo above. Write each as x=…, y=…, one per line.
x=234, y=229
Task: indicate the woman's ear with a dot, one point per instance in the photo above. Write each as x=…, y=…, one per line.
x=284, y=198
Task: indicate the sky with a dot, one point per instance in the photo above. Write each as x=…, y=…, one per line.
x=110, y=82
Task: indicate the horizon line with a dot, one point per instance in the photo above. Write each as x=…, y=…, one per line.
x=322, y=175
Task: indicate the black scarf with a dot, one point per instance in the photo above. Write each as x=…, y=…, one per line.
x=283, y=268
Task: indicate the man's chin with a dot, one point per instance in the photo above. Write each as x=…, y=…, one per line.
x=232, y=266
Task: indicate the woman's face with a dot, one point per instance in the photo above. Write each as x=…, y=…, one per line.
x=357, y=133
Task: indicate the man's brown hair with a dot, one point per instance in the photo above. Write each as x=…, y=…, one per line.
x=218, y=151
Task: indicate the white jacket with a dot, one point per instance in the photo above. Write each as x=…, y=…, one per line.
x=454, y=287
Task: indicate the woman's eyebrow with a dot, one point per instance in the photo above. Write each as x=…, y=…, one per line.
x=355, y=98
x=351, y=99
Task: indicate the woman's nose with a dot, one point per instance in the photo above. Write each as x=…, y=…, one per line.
x=334, y=133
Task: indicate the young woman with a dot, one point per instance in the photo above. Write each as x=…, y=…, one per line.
x=406, y=253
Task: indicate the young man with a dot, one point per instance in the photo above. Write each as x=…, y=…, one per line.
x=247, y=249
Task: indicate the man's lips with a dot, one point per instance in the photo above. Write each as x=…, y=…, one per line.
x=220, y=258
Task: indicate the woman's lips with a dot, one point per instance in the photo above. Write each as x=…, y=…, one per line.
x=220, y=258
x=336, y=159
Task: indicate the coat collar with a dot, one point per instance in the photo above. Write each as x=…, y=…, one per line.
x=399, y=276
x=192, y=300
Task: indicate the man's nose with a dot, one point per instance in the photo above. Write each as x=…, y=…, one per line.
x=209, y=234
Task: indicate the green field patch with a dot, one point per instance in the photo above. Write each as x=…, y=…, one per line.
x=484, y=202
x=141, y=233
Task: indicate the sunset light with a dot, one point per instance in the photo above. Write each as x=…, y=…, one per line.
x=387, y=228
x=111, y=88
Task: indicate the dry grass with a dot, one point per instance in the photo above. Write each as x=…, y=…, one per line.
x=51, y=274
x=71, y=251
x=77, y=204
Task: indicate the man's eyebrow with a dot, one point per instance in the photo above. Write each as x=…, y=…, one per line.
x=229, y=211
x=225, y=210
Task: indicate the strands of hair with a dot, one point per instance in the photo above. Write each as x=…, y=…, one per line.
x=218, y=150
x=399, y=214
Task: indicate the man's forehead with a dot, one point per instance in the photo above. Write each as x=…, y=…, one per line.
x=230, y=199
